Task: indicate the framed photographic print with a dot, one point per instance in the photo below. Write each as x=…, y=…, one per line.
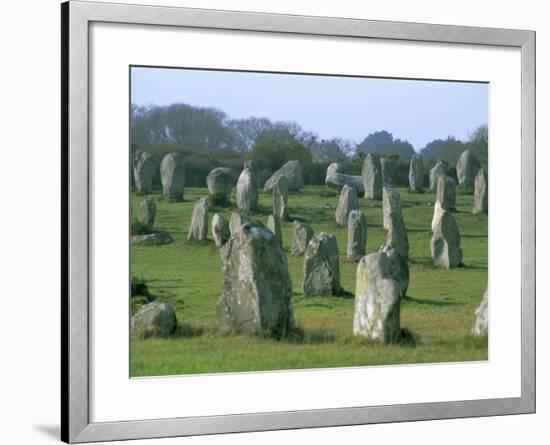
x=276, y=222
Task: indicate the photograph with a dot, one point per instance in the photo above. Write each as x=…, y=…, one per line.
x=287, y=221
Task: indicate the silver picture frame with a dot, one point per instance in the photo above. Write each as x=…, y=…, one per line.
x=75, y=361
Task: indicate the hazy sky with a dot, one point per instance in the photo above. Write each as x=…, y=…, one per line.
x=347, y=107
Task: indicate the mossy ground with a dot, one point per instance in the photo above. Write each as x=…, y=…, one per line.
x=438, y=311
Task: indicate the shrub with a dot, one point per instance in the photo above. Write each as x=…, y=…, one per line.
x=218, y=199
x=139, y=287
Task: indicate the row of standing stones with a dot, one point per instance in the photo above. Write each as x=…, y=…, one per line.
x=257, y=289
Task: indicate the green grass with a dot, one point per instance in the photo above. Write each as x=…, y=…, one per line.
x=438, y=310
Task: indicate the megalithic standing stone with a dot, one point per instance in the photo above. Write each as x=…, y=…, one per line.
x=372, y=177
x=393, y=222
x=416, y=174
x=256, y=284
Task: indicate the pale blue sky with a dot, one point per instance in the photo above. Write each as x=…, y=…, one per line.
x=347, y=107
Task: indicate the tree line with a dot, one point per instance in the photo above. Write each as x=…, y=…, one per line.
x=208, y=138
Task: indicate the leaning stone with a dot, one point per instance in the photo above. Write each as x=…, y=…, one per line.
x=388, y=171
x=399, y=268
x=198, y=230
x=236, y=221
x=220, y=230
x=152, y=239
x=336, y=179
x=293, y=172
x=220, y=180
x=377, y=300
x=416, y=174
x=371, y=175
x=466, y=170
x=446, y=192
x=274, y=224
x=357, y=235
x=147, y=213
x=247, y=192
x=445, y=243
x=280, y=198
x=481, y=322
x=348, y=202
x=321, y=266
x=154, y=319
x=301, y=236
x=437, y=171
x=144, y=172
x=172, y=176
x=256, y=284
x=481, y=193
x=393, y=222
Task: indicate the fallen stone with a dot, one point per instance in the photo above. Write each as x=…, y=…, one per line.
x=336, y=179
x=293, y=172
x=152, y=239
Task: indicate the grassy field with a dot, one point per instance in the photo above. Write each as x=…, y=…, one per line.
x=438, y=309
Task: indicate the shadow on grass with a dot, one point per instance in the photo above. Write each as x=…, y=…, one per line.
x=171, y=286
x=432, y=302
x=206, y=242
x=341, y=294
x=311, y=337
x=260, y=211
x=427, y=230
x=473, y=267
x=189, y=331
x=422, y=261
x=345, y=294
x=405, y=338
